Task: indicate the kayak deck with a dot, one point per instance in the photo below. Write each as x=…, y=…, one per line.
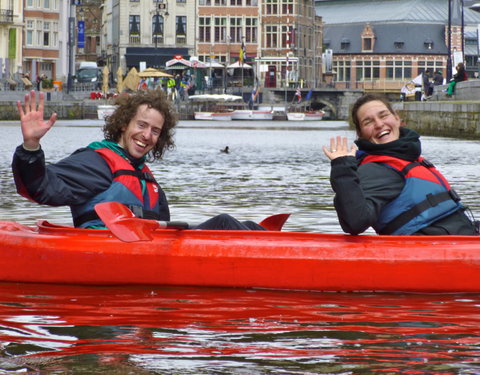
x=280, y=260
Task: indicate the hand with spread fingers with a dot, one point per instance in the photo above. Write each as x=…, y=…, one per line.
x=338, y=148
x=31, y=118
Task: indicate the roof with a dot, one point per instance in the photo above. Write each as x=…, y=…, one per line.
x=361, y=11
x=413, y=38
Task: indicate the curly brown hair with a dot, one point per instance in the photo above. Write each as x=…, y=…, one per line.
x=127, y=109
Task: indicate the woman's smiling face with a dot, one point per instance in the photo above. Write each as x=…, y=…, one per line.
x=141, y=135
x=377, y=124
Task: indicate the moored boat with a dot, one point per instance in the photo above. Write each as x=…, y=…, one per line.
x=104, y=110
x=305, y=116
x=213, y=116
x=265, y=259
x=252, y=114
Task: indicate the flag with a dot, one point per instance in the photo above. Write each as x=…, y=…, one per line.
x=242, y=54
x=309, y=95
x=298, y=93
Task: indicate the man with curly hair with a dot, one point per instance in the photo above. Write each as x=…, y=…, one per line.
x=113, y=169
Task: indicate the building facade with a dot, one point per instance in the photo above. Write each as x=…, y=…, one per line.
x=11, y=27
x=385, y=44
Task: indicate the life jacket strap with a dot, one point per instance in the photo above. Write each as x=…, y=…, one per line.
x=432, y=200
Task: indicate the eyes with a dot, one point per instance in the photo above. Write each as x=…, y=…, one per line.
x=156, y=131
x=371, y=120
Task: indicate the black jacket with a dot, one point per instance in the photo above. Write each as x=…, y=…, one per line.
x=72, y=181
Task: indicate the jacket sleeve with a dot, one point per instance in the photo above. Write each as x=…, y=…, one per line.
x=361, y=192
x=71, y=181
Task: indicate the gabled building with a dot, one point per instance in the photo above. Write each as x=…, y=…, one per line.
x=379, y=45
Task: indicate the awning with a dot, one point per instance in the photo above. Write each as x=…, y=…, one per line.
x=153, y=57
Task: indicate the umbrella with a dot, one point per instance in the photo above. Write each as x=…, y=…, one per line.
x=238, y=65
x=119, y=80
x=151, y=72
x=105, y=73
x=132, y=80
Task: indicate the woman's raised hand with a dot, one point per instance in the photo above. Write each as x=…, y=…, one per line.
x=339, y=147
x=31, y=120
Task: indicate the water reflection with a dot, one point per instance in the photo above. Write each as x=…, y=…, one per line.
x=210, y=331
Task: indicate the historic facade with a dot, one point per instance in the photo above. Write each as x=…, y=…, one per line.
x=381, y=45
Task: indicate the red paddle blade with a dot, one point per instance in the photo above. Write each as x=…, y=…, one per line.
x=123, y=223
x=274, y=222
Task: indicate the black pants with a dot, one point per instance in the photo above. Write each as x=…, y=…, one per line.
x=227, y=222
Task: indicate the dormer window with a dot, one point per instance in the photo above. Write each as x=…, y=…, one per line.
x=428, y=44
x=345, y=44
x=368, y=38
x=398, y=44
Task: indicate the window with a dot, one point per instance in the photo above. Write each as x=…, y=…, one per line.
x=287, y=33
x=399, y=70
x=220, y=2
x=236, y=29
x=29, y=3
x=234, y=3
x=46, y=4
x=180, y=29
x=345, y=44
x=398, y=44
x=46, y=34
x=271, y=7
x=287, y=7
x=157, y=28
x=271, y=37
x=368, y=70
x=29, y=34
x=205, y=2
x=251, y=30
x=220, y=30
x=134, y=25
x=367, y=44
x=343, y=69
x=428, y=44
x=204, y=32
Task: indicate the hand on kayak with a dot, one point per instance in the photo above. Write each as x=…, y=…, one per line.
x=31, y=119
x=339, y=147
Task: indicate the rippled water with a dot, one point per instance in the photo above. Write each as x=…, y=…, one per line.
x=273, y=167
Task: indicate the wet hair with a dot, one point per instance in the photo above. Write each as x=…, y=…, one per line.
x=364, y=100
x=127, y=109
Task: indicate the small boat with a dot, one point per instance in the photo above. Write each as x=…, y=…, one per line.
x=49, y=253
x=213, y=116
x=252, y=114
x=104, y=110
x=305, y=116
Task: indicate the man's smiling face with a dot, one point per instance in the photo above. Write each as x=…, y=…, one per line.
x=142, y=133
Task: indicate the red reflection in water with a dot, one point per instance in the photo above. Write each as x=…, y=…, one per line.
x=152, y=327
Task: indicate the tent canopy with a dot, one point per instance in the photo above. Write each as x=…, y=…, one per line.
x=237, y=64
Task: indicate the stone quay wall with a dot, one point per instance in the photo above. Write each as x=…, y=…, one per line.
x=457, y=116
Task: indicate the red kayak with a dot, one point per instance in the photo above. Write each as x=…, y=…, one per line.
x=263, y=259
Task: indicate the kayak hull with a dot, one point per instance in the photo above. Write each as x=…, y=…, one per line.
x=277, y=260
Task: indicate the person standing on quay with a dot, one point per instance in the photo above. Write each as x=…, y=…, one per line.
x=387, y=184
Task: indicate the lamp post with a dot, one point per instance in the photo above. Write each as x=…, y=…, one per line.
x=71, y=43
